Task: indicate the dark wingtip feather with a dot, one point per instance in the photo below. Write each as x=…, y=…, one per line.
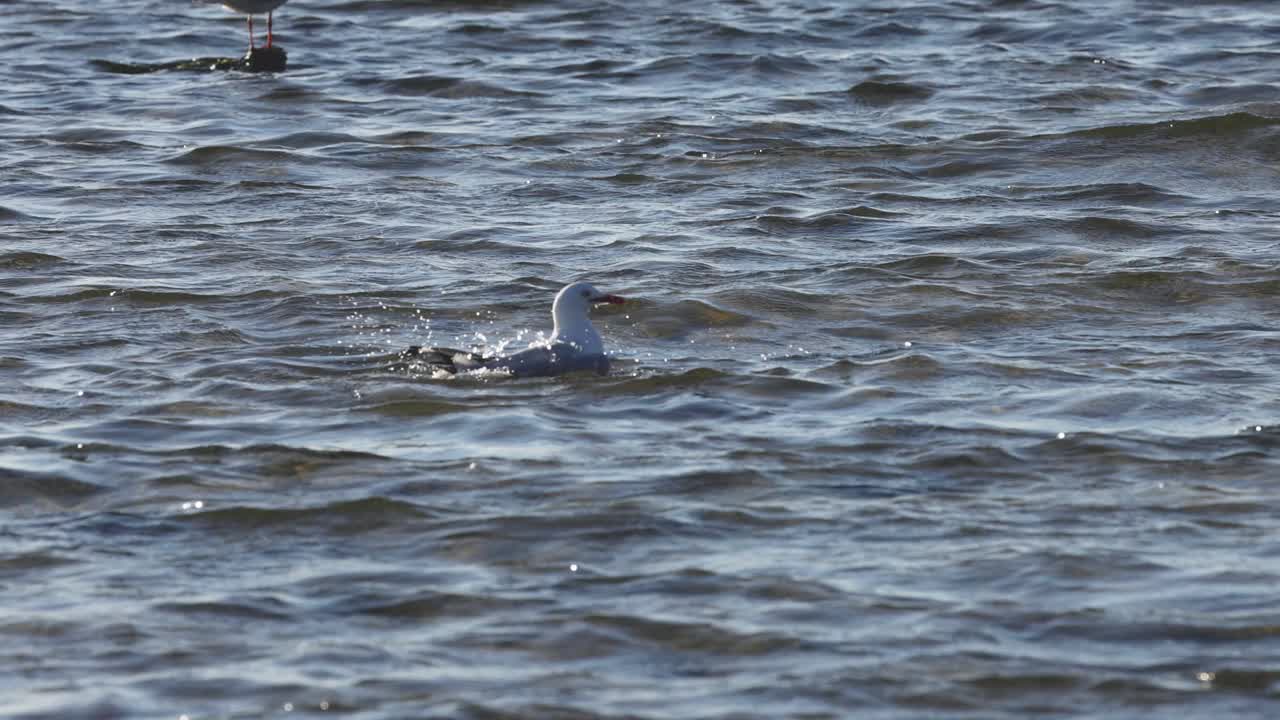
x=439, y=357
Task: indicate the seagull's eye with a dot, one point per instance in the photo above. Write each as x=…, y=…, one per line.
x=586, y=293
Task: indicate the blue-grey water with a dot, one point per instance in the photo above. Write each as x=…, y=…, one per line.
x=947, y=388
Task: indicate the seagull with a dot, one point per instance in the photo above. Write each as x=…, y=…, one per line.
x=254, y=7
x=574, y=344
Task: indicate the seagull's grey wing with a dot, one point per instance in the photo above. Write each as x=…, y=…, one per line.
x=533, y=362
x=542, y=361
x=548, y=360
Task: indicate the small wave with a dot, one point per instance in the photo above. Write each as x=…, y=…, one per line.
x=8, y=214
x=598, y=68
x=434, y=606
x=891, y=31
x=1009, y=684
x=345, y=517
x=1230, y=125
x=828, y=220
x=1218, y=57
x=477, y=28
x=469, y=241
x=776, y=300
x=647, y=384
x=310, y=140
x=416, y=408
x=1139, y=631
x=935, y=265
x=1159, y=286
x=1113, y=229
x=218, y=154
x=256, y=609
x=404, y=8
x=779, y=385
x=449, y=87
x=1218, y=95
x=902, y=368
x=17, y=563
x=874, y=92
x=698, y=637
x=782, y=65
x=1088, y=96
x=141, y=296
x=705, y=482
x=13, y=411
x=88, y=134
x=1111, y=193
x=731, y=33
x=179, y=185
x=1247, y=680
x=297, y=95
x=944, y=461
x=27, y=260
x=410, y=138
x=678, y=319
x=273, y=454
x=629, y=179
x=23, y=488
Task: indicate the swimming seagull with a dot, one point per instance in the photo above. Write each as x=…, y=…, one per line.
x=254, y=7
x=574, y=344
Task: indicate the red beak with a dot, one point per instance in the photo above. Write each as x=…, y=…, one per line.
x=612, y=299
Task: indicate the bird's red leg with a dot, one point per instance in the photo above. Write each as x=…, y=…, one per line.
x=251, y=32
x=268, y=29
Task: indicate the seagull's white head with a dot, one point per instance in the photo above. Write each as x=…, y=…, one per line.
x=570, y=312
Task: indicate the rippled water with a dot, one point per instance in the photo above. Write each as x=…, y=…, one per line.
x=947, y=388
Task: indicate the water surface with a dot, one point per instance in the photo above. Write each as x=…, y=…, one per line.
x=946, y=390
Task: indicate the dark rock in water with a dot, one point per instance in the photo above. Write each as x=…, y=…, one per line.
x=262, y=59
x=266, y=59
